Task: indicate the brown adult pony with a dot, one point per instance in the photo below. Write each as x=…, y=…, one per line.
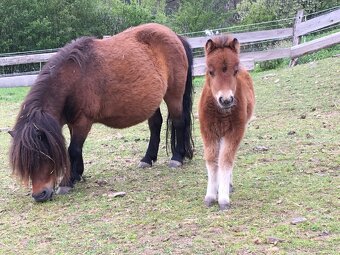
x=226, y=105
x=119, y=82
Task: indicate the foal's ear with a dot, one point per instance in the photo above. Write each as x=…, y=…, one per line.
x=235, y=45
x=209, y=46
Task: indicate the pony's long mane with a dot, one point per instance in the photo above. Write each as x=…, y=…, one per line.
x=37, y=135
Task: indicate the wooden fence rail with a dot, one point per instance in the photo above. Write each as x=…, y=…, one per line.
x=248, y=59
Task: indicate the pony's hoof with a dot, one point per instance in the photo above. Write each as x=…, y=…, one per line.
x=208, y=201
x=63, y=190
x=175, y=164
x=144, y=164
x=224, y=207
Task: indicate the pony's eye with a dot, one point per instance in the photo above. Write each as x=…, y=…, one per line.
x=211, y=73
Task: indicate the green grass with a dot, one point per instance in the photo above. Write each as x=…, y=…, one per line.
x=297, y=120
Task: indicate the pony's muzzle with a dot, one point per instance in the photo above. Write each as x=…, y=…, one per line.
x=226, y=102
x=43, y=196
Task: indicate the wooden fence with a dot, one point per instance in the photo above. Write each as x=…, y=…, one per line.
x=248, y=59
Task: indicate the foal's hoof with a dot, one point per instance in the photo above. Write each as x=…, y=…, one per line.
x=224, y=207
x=144, y=164
x=175, y=164
x=208, y=201
x=63, y=190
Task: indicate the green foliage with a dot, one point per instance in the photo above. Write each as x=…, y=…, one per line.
x=34, y=24
x=318, y=55
x=41, y=24
x=199, y=15
x=251, y=11
x=270, y=64
x=254, y=12
x=122, y=16
x=321, y=54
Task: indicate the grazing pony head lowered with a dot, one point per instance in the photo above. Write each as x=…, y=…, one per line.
x=222, y=57
x=37, y=153
x=119, y=82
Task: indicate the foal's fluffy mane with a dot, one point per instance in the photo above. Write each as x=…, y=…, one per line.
x=222, y=41
x=37, y=135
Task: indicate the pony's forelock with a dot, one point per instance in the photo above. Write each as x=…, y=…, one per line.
x=38, y=141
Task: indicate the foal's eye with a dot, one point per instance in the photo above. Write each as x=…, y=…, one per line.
x=236, y=68
x=211, y=73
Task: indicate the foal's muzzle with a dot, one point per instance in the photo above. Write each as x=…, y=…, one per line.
x=43, y=196
x=226, y=103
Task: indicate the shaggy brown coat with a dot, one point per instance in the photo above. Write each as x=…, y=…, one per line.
x=226, y=106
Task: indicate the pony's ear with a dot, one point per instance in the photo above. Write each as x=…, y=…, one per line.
x=209, y=46
x=235, y=45
x=11, y=132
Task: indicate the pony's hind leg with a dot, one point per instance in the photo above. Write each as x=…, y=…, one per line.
x=79, y=132
x=179, y=126
x=177, y=143
x=155, y=124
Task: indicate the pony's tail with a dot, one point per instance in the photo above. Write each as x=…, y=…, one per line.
x=38, y=139
x=187, y=108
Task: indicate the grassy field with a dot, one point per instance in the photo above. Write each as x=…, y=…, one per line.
x=287, y=168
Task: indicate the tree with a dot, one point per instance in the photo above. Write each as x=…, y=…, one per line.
x=251, y=11
x=199, y=15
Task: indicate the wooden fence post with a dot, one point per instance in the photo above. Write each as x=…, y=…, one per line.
x=296, y=38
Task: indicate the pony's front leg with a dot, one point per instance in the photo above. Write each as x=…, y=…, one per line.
x=155, y=125
x=226, y=157
x=210, y=155
x=79, y=132
x=212, y=187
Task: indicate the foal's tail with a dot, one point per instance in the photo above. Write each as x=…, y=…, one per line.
x=187, y=107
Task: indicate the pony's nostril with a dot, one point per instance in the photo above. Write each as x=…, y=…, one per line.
x=43, y=196
x=230, y=100
x=226, y=102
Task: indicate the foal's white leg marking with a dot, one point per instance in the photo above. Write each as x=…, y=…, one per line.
x=212, y=187
x=224, y=176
